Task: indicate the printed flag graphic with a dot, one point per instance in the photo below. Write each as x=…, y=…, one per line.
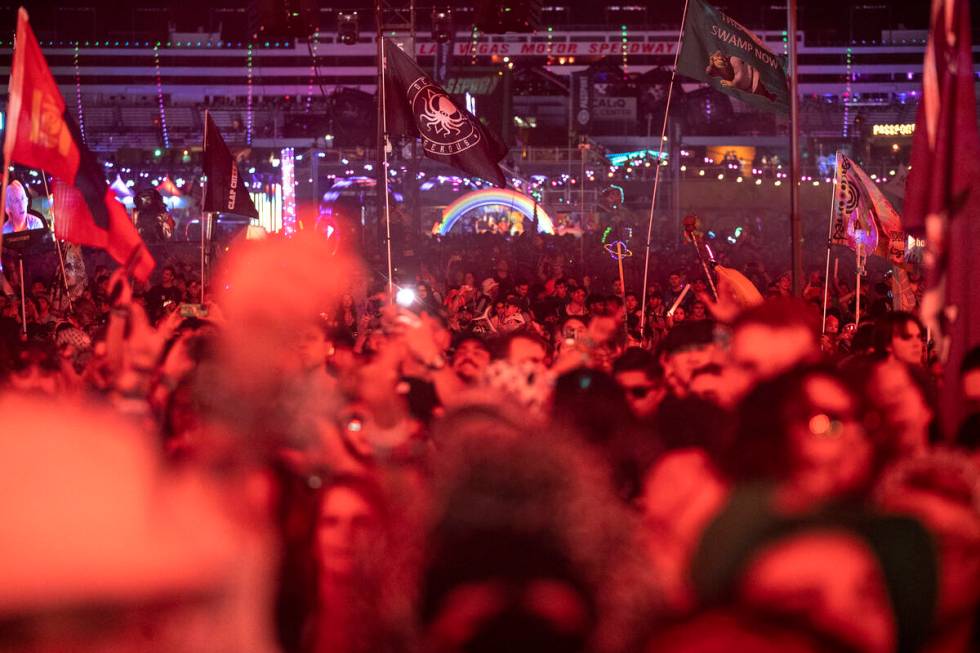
x=861, y=213
x=417, y=107
x=42, y=135
x=732, y=59
x=225, y=191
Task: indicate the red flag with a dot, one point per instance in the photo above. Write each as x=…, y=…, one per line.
x=37, y=135
x=41, y=134
x=942, y=194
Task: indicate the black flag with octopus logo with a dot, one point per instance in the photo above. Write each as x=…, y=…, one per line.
x=418, y=107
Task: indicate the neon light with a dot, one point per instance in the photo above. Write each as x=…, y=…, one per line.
x=496, y=197
x=288, y=191
x=893, y=129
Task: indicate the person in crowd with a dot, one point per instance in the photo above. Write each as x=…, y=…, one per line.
x=641, y=379
x=900, y=336
x=19, y=217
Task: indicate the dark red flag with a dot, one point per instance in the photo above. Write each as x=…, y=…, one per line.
x=942, y=194
x=40, y=134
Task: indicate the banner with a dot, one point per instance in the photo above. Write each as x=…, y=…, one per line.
x=862, y=214
x=225, y=190
x=732, y=59
x=415, y=106
x=583, y=100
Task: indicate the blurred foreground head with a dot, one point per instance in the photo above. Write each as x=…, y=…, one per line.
x=272, y=292
x=104, y=550
x=528, y=547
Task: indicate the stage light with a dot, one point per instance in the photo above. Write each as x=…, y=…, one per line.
x=158, y=152
x=683, y=168
x=701, y=173
x=348, y=27
x=405, y=297
x=758, y=182
x=442, y=24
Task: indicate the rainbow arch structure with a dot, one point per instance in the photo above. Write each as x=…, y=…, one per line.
x=513, y=200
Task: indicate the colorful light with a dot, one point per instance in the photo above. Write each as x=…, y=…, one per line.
x=163, y=112
x=847, y=92
x=313, y=66
x=248, y=107
x=496, y=197
x=288, y=165
x=626, y=48
x=78, y=97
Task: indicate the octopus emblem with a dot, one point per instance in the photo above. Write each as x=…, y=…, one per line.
x=441, y=115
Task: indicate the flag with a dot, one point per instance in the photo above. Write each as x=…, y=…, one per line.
x=732, y=59
x=225, y=191
x=861, y=212
x=415, y=106
x=942, y=194
x=37, y=134
x=42, y=135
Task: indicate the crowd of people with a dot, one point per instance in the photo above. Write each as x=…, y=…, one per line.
x=517, y=455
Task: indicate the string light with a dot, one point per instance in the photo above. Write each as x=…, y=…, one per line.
x=287, y=163
x=78, y=97
x=847, y=92
x=163, y=112
x=550, y=45
x=474, y=37
x=625, y=47
x=313, y=67
x=248, y=106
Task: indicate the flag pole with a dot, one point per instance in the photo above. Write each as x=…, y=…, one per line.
x=383, y=147
x=57, y=245
x=796, y=226
x=857, y=284
x=656, y=176
x=203, y=196
x=830, y=233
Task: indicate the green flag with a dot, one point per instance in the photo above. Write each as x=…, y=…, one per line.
x=720, y=51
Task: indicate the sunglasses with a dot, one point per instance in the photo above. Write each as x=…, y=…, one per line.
x=640, y=391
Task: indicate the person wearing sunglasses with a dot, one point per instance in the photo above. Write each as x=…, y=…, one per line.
x=642, y=380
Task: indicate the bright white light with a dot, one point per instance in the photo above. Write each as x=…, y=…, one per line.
x=405, y=297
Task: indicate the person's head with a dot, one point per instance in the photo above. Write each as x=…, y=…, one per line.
x=970, y=380
x=803, y=430
x=632, y=302
x=522, y=288
x=350, y=526
x=676, y=281
x=523, y=348
x=104, y=559
x=687, y=347
x=561, y=289
x=17, y=201
x=167, y=275
x=470, y=358
x=571, y=328
x=699, y=311
x=769, y=339
x=642, y=380
x=578, y=296
x=900, y=394
x=680, y=315
x=38, y=289
x=901, y=336
x=313, y=345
